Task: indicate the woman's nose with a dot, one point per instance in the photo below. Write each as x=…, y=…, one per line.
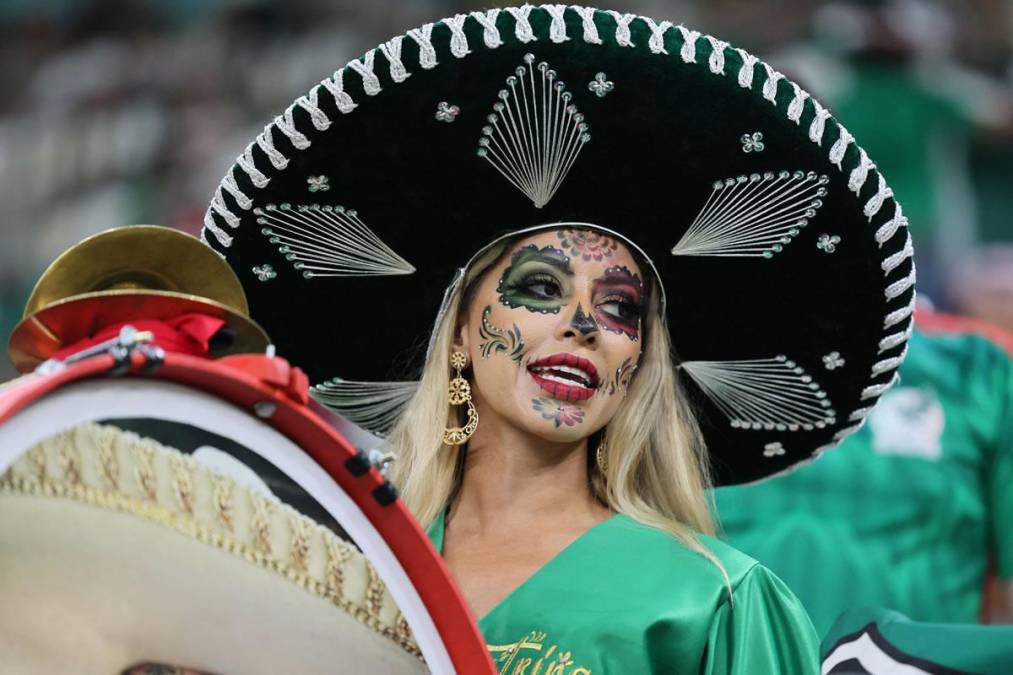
x=582, y=325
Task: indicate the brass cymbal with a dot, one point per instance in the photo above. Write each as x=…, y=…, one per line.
x=139, y=257
x=130, y=273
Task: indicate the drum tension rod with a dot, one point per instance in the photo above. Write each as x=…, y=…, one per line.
x=121, y=348
x=363, y=461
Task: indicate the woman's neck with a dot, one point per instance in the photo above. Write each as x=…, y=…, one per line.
x=511, y=476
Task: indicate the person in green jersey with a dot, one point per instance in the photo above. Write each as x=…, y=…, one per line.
x=883, y=642
x=604, y=191
x=911, y=511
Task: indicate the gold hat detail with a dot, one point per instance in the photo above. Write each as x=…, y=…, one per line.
x=130, y=273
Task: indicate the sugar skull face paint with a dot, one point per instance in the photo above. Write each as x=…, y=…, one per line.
x=588, y=244
x=535, y=279
x=618, y=296
x=498, y=341
x=580, y=322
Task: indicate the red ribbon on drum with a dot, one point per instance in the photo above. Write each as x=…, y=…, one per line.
x=189, y=334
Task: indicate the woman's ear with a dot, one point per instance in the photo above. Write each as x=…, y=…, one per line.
x=461, y=333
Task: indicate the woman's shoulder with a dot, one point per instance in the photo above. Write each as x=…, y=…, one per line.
x=661, y=550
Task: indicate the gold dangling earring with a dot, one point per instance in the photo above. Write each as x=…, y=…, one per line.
x=460, y=394
x=601, y=454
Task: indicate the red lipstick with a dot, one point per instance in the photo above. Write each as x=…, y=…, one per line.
x=567, y=377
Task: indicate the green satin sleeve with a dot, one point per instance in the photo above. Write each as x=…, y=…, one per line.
x=764, y=630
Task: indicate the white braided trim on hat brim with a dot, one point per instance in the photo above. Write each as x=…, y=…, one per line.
x=106, y=467
x=695, y=48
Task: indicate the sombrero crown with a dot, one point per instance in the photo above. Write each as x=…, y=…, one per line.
x=787, y=266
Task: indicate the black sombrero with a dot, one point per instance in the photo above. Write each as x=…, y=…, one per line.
x=785, y=258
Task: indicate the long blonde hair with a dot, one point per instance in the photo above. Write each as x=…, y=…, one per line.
x=656, y=469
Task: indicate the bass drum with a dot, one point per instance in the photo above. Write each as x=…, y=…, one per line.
x=194, y=516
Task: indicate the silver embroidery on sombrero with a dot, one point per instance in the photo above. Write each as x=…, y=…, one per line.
x=755, y=215
x=534, y=132
x=328, y=241
x=764, y=394
x=374, y=406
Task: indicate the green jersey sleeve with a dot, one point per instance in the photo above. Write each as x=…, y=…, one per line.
x=763, y=629
x=1000, y=473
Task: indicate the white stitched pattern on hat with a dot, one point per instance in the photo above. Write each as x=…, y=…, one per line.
x=657, y=39
x=764, y=394
x=897, y=288
x=857, y=178
x=748, y=67
x=328, y=241
x=392, y=52
x=840, y=146
x=370, y=82
x=622, y=27
x=423, y=37
x=490, y=34
x=847, y=431
x=770, y=86
x=523, y=28
x=797, y=105
x=534, y=133
x=717, y=57
x=218, y=204
x=230, y=185
x=265, y=141
x=896, y=339
x=557, y=29
x=688, y=51
x=755, y=215
x=211, y=226
x=374, y=406
x=888, y=229
x=311, y=104
x=819, y=123
x=246, y=163
x=891, y=363
x=458, y=40
x=883, y=192
x=892, y=262
x=587, y=22
x=898, y=315
x=859, y=414
x=285, y=123
x=877, y=389
x=336, y=85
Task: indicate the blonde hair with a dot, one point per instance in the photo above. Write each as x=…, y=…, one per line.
x=656, y=469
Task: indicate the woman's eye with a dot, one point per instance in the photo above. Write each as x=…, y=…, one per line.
x=542, y=286
x=620, y=308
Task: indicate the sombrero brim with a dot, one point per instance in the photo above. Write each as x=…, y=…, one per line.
x=122, y=551
x=786, y=264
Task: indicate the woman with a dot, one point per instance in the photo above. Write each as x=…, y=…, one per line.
x=677, y=193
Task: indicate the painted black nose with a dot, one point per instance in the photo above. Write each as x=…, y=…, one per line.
x=583, y=323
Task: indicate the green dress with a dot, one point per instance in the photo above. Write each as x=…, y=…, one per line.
x=628, y=599
x=908, y=512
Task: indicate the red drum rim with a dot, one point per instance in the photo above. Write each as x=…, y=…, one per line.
x=366, y=487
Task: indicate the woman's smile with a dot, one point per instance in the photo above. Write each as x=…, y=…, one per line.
x=565, y=376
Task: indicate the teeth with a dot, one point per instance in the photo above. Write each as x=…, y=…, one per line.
x=576, y=372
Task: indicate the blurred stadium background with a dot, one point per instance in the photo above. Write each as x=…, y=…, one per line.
x=130, y=111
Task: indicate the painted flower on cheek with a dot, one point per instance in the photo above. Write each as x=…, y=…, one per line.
x=588, y=244
x=560, y=413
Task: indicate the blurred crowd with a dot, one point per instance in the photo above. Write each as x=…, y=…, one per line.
x=131, y=111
